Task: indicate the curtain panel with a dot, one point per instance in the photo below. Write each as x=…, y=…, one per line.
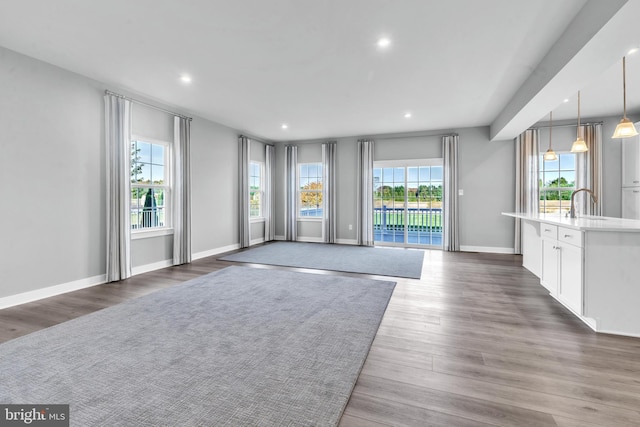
x=329, y=192
x=589, y=171
x=450, y=211
x=118, y=144
x=244, y=147
x=181, y=190
x=365, y=193
x=527, y=185
x=269, y=206
x=291, y=196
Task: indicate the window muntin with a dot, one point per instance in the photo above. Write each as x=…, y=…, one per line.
x=255, y=190
x=557, y=180
x=310, y=190
x=150, y=185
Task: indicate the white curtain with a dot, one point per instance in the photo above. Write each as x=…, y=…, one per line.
x=450, y=220
x=589, y=171
x=291, y=197
x=329, y=192
x=527, y=185
x=365, y=193
x=118, y=142
x=269, y=213
x=244, y=148
x=181, y=190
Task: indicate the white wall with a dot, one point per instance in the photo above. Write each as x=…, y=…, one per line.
x=52, y=177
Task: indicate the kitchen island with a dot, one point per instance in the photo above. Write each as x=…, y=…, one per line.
x=589, y=264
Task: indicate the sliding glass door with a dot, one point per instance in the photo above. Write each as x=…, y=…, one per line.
x=408, y=203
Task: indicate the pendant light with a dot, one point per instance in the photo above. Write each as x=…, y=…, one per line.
x=550, y=154
x=579, y=146
x=625, y=128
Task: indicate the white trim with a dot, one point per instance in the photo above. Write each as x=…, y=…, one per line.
x=310, y=219
x=311, y=239
x=154, y=232
x=151, y=267
x=51, y=291
x=487, y=249
x=216, y=251
x=257, y=219
x=256, y=241
x=278, y=237
x=347, y=241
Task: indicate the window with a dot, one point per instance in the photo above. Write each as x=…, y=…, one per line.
x=557, y=182
x=310, y=190
x=255, y=190
x=150, y=190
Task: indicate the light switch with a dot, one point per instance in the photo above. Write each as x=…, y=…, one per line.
x=460, y=192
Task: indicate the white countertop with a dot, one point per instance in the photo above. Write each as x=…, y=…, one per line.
x=583, y=223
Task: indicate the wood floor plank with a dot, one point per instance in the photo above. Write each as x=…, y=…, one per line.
x=475, y=341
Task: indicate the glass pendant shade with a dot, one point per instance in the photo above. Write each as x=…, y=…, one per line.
x=579, y=146
x=625, y=129
x=550, y=155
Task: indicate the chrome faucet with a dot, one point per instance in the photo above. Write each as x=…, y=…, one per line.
x=572, y=210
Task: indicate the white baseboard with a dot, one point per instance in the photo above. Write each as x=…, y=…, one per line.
x=347, y=241
x=216, y=251
x=279, y=238
x=310, y=239
x=256, y=241
x=487, y=249
x=51, y=291
x=151, y=267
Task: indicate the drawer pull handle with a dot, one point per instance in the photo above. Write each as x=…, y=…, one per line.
x=636, y=191
x=568, y=235
x=548, y=229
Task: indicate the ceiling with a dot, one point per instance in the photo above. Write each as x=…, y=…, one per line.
x=315, y=65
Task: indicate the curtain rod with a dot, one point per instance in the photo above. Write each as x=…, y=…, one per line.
x=108, y=92
x=567, y=125
x=257, y=140
x=439, y=135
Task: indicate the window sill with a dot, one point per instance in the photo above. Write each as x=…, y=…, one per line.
x=135, y=235
x=259, y=219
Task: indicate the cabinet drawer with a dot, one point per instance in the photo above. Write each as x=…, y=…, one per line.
x=547, y=230
x=571, y=236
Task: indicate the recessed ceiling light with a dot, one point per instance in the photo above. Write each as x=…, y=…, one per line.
x=632, y=51
x=566, y=100
x=285, y=126
x=407, y=115
x=185, y=78
x=383, y=42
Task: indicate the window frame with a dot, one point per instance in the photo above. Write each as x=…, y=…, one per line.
x=167, y=187
x=299, y=192
x=544, y=189
x=260, y=217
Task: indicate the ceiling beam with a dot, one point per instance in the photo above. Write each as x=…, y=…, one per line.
x=600, y=34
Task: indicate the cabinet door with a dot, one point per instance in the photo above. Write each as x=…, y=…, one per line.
x=631, y=162
x=550, y=265
x=631, y=203
x=570, y=284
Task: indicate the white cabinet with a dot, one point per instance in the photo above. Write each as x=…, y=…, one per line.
x=631, y=162
x=562, y=265
x=631, y=202
x=549, y=277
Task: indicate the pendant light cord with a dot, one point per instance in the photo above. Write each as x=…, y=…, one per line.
x=578, y=130
x=624, y=86
x=550, y=128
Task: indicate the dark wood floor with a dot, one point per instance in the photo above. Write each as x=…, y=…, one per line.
x=476, y=341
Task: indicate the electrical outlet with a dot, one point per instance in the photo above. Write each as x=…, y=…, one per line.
x=350, y=227
x=460, y=192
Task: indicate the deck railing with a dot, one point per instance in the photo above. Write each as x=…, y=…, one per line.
x=418, y=219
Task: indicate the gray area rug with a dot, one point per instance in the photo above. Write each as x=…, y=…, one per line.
x=238, y=347
x=348, y=258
